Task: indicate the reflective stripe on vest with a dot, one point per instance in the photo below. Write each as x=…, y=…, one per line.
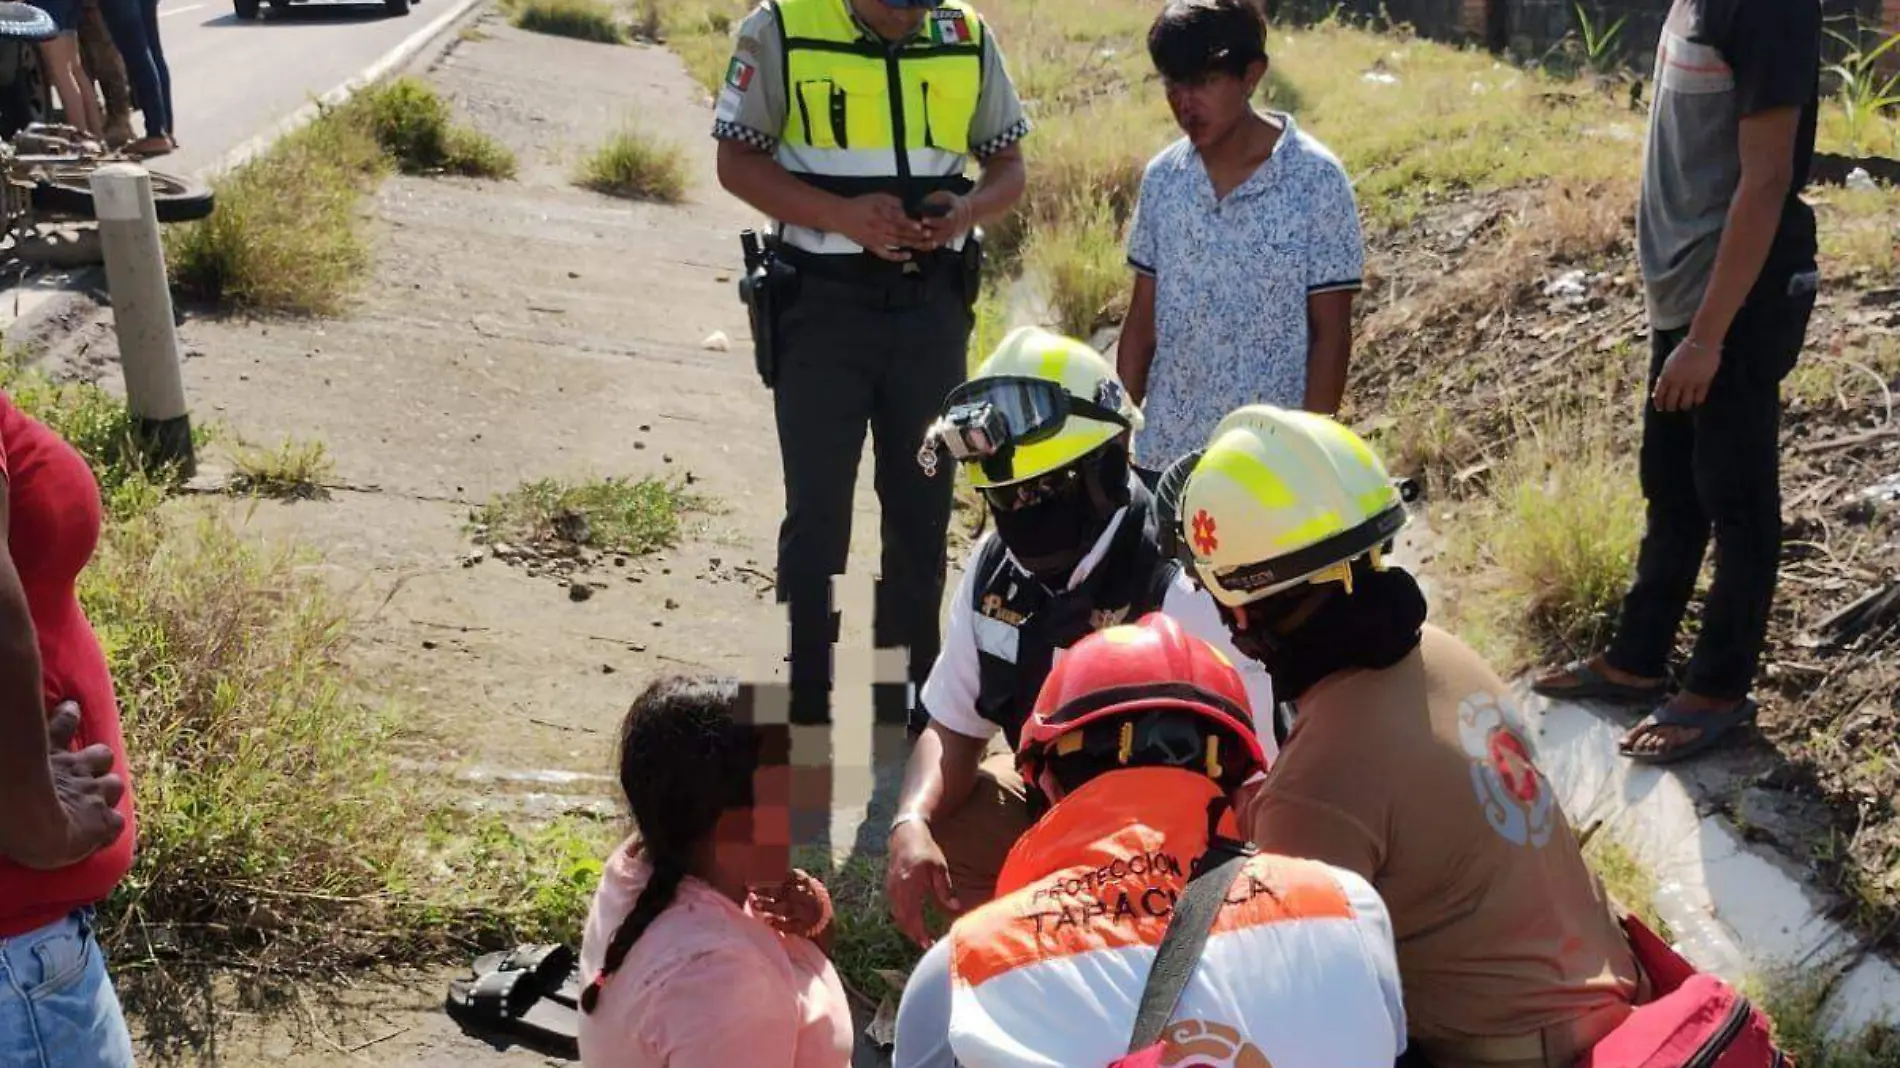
x=863, y=118
x=1051, y=973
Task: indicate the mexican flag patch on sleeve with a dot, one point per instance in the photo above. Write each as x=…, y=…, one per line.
x=949, y=26
x=739, y=74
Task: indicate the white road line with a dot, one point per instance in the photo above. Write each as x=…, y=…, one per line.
x=169, y=12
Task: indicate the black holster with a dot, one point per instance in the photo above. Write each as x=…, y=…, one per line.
x=767, y=289
x=972, y=271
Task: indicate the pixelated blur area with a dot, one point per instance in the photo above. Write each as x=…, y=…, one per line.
x=845, y=773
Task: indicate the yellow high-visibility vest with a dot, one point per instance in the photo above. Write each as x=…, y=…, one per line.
x=867, y=116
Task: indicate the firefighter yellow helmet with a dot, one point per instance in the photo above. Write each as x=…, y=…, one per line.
x=1039, y=403
x=1280, y=498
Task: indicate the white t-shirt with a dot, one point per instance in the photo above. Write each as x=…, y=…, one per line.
x=951, y=690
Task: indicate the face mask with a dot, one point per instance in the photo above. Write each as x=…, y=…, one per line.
x=1374, y=627
x=1053, y=522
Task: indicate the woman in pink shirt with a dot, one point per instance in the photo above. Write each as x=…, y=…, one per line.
x=703, y=948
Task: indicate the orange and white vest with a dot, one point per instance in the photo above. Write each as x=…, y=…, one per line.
x=1299, y=972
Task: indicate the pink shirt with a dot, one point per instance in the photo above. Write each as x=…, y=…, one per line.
x=707, y=986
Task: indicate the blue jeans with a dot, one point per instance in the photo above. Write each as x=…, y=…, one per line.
x=57, y=1007
x=133, y=25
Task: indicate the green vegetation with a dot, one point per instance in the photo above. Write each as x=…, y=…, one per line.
x=290, y=471
x=1629, y=883
x=1084, y=270
x=1547, y=550
x=414, y=127
x=274, y=831
x=287, y=233
x=1796, y=1002
x=609, y=514
x=285, y=236
x=866, y=941
x=638, y=166
x=587, y=20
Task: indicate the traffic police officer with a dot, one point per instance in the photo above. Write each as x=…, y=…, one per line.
x=1043, y=429
x=850, y=124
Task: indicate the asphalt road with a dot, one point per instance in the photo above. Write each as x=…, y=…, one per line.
x=232, y=80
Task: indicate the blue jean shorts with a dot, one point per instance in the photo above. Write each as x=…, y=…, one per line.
x=57, y=1007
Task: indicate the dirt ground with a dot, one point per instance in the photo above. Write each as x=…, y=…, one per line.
x=1494, y=308
x=513, y=331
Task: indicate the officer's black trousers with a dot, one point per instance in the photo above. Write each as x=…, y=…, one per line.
x=879, y=353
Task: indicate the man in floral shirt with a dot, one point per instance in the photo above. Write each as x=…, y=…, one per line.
x=1246, y=245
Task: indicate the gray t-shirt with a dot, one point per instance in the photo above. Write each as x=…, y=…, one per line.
x=1721, y=61
x=752, y=105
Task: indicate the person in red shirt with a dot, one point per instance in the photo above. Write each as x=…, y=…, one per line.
x=66, y=827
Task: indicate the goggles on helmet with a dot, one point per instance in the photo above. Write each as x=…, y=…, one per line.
x=987, y=418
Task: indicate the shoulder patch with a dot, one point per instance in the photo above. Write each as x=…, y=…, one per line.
x=739, y=74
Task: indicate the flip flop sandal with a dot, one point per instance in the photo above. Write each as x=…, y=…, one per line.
x=1593, y=685
x=1711, y=728
x=554, y=970
x=508, y=1003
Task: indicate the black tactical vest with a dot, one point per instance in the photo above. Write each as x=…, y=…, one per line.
x=1020, y=623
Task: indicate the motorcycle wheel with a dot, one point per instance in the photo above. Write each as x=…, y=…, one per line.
x=177, y=199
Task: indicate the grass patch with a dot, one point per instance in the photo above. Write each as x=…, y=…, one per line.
x=1550, y=546
x=274, y=833
x=866, y=940
x=414, y=127
x=586, y=20
x=1628, y=882
x=1858, y=233
x=284, y=237
x=98, y=426
x=1796, y=1001
x=636, y=165
x=291, y=471
x=1082, y=268
x=611, y=514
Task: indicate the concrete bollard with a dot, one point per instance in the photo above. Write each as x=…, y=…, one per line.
x=142, y=312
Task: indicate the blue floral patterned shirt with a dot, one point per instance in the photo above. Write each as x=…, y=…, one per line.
x=1231, y=282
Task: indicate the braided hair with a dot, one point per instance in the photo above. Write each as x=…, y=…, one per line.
x=687, y=754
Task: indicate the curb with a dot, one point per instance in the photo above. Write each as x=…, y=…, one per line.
x=1735, y=910
x=411, y=46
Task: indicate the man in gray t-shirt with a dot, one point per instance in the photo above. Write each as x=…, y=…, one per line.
x=1727, y=250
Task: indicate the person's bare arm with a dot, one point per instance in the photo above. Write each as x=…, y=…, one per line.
x=1328, y=349
x=26, y=779
x=1000, y=185
x=1135, y=351
x=941, y=773
x=1767, y=151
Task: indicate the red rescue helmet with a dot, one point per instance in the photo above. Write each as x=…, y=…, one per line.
x=1145, y=694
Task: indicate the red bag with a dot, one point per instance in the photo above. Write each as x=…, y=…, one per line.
x=1694, y=1020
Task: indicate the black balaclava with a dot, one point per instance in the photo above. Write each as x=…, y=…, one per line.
x=1051, y=536
x=1373, y=627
